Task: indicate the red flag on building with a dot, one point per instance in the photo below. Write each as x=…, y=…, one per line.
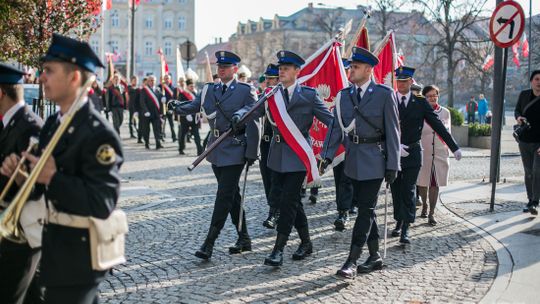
x=516, y=53
x=384, y=71
x=488, y=63
x=525, y=46
x=324, y=72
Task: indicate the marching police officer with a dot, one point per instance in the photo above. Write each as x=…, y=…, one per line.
x=413, y=111
x=133, y=106
x=80, y=178
x=366, y=121
x=168, y=92
x=224, y=103
x=117, y=101
x=288, y=171
x=272, y=78
x=18, y=262
x=151, y=108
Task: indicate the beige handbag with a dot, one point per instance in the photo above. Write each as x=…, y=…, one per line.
x=32, y=219
x=107, y=237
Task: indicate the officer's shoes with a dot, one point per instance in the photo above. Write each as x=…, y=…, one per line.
x=159, y=146
x=276, y=257
x=533, y=209
x=303, y=251
x=147, y=146
x=397, y=231
x=242, y=244
x=404, y=239
x=352, y=211
x=181, y=152
x=205, y=252
x=270, y=222
x=348, y=270
x=313, y=198
x=432, y=221
x=424, y=213
x=139, y=141
x=341, y=221
x=373, y=262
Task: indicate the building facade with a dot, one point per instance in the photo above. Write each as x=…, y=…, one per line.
x=158, y=24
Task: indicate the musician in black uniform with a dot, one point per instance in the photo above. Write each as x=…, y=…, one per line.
x=151, y=109
x=18, y=262
x=271, y=74
x=413, y=111
x=133, y=105
x=116, y=95
x=167, y=91
x=79, y=179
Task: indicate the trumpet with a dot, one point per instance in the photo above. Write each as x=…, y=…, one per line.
x=19, y=169
x=10, y=228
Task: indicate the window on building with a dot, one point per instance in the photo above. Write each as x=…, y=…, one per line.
x=115, y=19
x=148, y=48
x=149, y=23
x=94, y=44
x=167, y=48
x=167, y=24
x=182, y=23
x=114, y=46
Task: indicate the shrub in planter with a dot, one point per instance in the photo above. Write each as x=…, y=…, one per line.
x=477, y=129
x=456, y=116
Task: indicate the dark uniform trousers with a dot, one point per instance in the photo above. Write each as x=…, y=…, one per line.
x=228, y=196
x=344, y=188
x=169, y=117
x=286, y=189
x=266, y=173
x=117, y=117
x=14, y=283
x=404, y=194
x=183, y=128
x=80, y=294
x=155, y=122
x=365, y=226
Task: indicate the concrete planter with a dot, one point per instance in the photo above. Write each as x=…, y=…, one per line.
x=461, y=135
x=481, y=142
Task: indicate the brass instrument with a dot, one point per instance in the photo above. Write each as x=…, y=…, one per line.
x=10, y=228
x=19, y=169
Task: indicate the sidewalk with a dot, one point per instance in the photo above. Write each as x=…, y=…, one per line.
x=513, y=234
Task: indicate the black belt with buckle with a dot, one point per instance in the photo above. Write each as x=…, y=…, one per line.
x=277, y=138
x=218, y=133
x=365, y=140
x=266, y=138
x=413, y=145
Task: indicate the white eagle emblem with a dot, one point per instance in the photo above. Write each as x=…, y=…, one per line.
x=388, y=79
x=324, y=92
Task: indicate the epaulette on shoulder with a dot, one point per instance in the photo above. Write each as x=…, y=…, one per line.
x=384, y=86
x=308, y=88
x=244, y=84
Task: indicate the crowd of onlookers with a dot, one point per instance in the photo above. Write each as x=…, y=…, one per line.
x=480, y=107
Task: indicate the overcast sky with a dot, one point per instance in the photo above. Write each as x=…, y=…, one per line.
x=214, y=19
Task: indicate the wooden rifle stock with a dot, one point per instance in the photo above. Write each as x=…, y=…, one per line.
x=224, y=135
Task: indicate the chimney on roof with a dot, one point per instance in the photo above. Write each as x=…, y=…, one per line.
x=220, y=40
x=310, y=5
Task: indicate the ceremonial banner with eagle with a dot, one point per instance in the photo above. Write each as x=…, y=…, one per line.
x=324, y=72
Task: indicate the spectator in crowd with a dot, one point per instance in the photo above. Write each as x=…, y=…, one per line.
x=527, y=114
x=96, y=96
x=482, y=108
x=471, y=108
x=434, y=171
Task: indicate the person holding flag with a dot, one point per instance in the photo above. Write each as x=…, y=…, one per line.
x=291, y=112
x=366, y=122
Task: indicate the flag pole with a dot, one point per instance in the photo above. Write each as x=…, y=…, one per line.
x=365, y=17
x=529, y=40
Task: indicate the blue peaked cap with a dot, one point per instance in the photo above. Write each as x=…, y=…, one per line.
x=10, y=75
x=226, y=57
x=362, y=55
x=288, y=57
x=404, y=73
x=272, y=70
x=70, y=50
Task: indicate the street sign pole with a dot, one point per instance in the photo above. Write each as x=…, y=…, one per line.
x=505, y=28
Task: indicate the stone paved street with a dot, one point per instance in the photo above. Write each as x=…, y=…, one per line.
x=169, y=210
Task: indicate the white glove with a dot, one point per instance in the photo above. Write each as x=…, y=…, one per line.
x=163, y=99
x=402, y=151
x=136, y=114
x=457, y=154
x=147, y=114
x=189, y=118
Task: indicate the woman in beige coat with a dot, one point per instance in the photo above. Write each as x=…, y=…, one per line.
x=434, y=171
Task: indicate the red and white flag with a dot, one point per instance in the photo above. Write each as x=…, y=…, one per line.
x=384, y=71
x=516, y=53
x=488, y=63
x=400, y=59
x=525, y=46
x=324, y=72
x=164, y=65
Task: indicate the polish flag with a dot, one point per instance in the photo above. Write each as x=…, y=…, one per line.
x=384, y=71
x=525, y=46
x=516, y=53
x=488, y=62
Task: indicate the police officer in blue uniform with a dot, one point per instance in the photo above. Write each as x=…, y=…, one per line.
x=80, y=178
x=413, y=111
x=18, y=262
x=288, y=171
x=366, y=122
x=224, y=104
x=272, y=78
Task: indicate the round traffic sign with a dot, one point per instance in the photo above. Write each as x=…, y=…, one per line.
x=189, y=50
x=507, y=24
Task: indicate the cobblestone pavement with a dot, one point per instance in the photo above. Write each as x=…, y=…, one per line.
x=169, y=210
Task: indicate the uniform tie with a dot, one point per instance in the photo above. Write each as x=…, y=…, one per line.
x=402, y=103
x=359, y=95
x=286, y=91
x=223, y=89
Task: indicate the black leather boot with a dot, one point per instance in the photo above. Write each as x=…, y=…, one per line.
x=533, y=208
x=397, y=230
x=271, y=220
x=242, y=244
x=306, y=247
x=276, y=257
x=313, y=198
x=374, y=261
x=348, y=270
x=205, y=252
x=404, y=239
x=342, y=220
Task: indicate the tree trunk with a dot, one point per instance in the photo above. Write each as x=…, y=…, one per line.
x=450, y=82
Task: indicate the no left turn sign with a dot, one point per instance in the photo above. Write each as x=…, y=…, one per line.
x=507, y=24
